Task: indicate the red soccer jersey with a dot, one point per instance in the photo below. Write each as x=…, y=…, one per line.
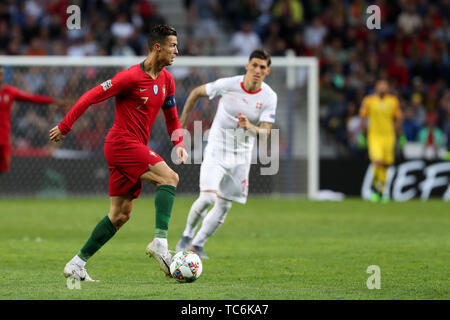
x=139, y=98
x=7, y=96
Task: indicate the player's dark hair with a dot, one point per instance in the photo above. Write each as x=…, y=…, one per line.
x=159, y=34
x=261, y=54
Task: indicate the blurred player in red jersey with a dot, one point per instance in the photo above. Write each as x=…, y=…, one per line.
x=140, y=92
x=9, y=94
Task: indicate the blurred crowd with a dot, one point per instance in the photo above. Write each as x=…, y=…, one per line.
x=30, y=123
x=38, y=27
x=411, y=49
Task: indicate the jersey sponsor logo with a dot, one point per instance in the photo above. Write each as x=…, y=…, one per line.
x=152, y=153
x=258, y=105
x=155, y=89
x=106, y=85
x=142, y=90
x=164, y=90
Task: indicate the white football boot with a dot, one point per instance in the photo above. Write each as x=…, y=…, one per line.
x=183, y=243
x=158, y=250
x=72, y=270
x=199, y=251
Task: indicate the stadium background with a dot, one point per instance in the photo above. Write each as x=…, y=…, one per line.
x=411, y=49
x=286, y=249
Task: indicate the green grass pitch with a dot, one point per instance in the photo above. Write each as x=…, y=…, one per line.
x=267, y=249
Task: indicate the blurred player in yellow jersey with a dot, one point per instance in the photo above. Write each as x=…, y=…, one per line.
x=382, y=119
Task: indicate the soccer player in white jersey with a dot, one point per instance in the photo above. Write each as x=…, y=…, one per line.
x=246, y=108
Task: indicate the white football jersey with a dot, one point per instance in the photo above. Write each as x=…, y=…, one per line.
x=259, y=106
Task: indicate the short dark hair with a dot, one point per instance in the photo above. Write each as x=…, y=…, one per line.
x=261, y=54
x=159, y=33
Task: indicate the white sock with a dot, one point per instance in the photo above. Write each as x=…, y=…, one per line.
x=198, y=212
x=162, y=242
x=77, y=260
x=213, y=220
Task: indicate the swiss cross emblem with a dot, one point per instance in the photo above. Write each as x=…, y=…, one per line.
x=258, y=105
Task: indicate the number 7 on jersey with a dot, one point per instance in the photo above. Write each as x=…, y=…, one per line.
x=145, y=101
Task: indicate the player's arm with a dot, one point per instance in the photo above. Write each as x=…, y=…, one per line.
x=191, y=101
x=107, y=89
x=398, y=125
x=36, y=98
x=363, y=114
x=266, y=118
x=174, y=128
x=244, y=123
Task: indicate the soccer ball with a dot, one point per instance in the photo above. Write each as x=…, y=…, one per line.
x=186, y=266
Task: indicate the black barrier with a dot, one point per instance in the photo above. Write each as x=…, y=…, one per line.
x=32, y=176
x=67, y=177
x=405, y=180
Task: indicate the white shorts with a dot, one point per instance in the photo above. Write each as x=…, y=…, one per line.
x=230, y=181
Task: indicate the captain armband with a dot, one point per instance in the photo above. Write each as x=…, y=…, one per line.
x=170, y=102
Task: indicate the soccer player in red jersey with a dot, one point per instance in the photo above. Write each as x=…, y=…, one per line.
x=8, y=94
x=140, y=92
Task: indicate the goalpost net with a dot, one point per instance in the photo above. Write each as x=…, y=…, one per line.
x=76, y=167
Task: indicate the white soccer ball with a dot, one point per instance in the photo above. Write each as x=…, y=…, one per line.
x=186, y=266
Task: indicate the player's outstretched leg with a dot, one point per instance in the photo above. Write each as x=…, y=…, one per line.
x=102, y=232
x=379, y=184
x=382, y=174
x=166, y=181
x=75, y=269
x=118, y=215
x=158, y=248
x=375, y=194
x=213, y=220
x=196, y=214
